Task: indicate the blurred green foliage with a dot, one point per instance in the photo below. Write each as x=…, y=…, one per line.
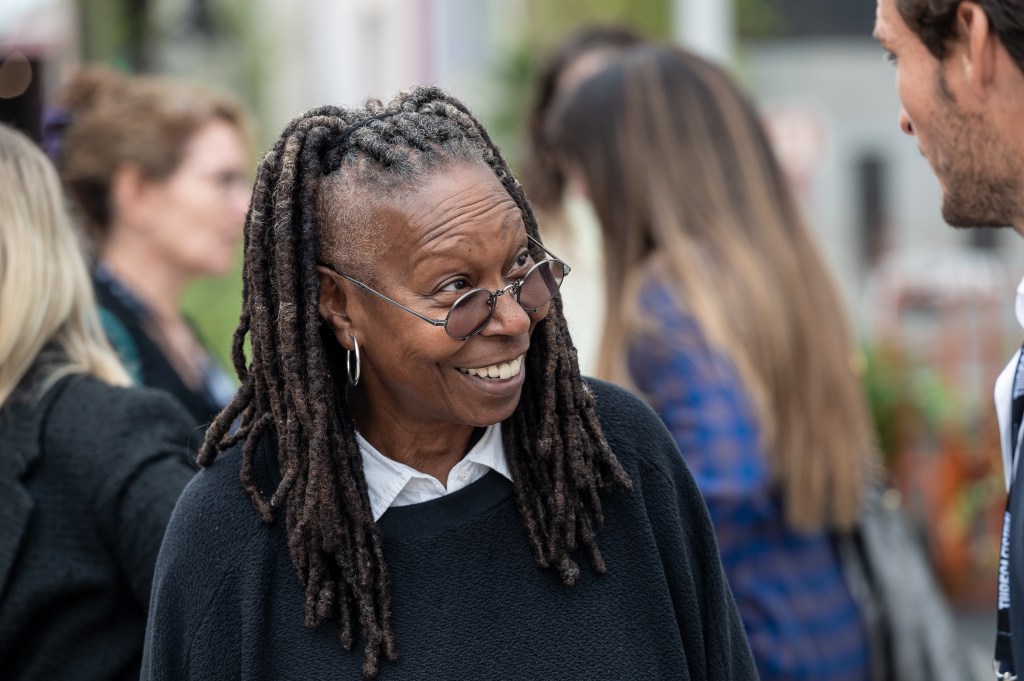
x=757, y=19
x=114, y=32
x=908, y=401
x=546, y=24
x=548, y=21
x=214, y=306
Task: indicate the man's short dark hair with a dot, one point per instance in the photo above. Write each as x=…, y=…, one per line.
x=934, y=21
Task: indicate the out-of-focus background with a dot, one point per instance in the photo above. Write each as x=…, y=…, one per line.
x=932, y=305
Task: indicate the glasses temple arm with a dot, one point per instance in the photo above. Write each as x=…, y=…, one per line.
x=435, y=322
x=544, y=248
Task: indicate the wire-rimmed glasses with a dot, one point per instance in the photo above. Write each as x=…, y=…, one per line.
x=470, y=314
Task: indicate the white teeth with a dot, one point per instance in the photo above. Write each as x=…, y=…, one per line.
x=502, y=371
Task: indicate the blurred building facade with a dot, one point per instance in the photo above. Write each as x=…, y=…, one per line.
x=342, y=51
x=828, y=97
x=38, y=38
x=830, y=100
x=865, y=186
x=284, y=57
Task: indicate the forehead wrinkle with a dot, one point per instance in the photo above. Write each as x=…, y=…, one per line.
x=510, y=225
x=453, y=211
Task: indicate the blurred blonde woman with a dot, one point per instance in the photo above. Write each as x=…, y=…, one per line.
x=89, y=469
x=722, y=312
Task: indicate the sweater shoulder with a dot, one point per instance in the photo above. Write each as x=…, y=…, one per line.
x=635, y=433
x=214, y=547
x=214, y=517
x=215, y=501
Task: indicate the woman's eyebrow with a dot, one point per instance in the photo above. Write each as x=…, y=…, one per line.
x=514, y=219
x=453, y=251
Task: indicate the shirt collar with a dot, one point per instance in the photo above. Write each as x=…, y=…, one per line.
x=386, y=478
x=1004, y=398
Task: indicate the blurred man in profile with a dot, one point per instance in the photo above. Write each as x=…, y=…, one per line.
x=960, y=77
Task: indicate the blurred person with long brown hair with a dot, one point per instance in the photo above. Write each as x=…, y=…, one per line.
x=89, y=470
x=578, y=56
x=564, y=219
x=721, y=311
x=157, y=170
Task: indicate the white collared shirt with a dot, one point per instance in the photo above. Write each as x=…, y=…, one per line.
x=1004, y=398
x=390, y=483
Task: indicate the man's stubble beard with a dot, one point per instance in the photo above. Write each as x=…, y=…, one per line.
x=981, y=188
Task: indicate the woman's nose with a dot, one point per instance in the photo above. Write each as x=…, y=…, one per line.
x=509, y=317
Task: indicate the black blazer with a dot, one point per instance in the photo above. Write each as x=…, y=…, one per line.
x=89, y=474
x=154, y=369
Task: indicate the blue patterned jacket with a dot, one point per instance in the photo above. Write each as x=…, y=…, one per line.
x=798, y=612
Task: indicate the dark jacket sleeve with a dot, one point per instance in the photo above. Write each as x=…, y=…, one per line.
x=140, y=464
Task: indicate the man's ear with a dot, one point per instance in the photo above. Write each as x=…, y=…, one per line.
x=334, y=306
x=979, y=48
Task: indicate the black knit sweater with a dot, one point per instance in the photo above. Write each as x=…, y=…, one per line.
x=468, y=600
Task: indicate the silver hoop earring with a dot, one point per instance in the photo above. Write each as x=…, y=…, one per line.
x=353, y=375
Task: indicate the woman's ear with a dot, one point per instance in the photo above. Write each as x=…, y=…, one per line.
x=334, y=310
x=127, y=191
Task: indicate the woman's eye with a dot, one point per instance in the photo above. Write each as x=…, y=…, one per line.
x=456, y=286
x=228, y=180
x=522, y=260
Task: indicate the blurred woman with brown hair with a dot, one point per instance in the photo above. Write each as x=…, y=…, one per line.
x=157, y=170
x=722, y=312
x=565, y=220
x=89, y=469
x=576, y=58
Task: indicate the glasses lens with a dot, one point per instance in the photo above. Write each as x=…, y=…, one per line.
x=469, y=314
x=541, y=284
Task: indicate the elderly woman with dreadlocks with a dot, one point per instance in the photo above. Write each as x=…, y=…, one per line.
x=425, y=478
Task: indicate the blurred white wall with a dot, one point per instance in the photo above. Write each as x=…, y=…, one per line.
x=343, y=51
x=706, y=27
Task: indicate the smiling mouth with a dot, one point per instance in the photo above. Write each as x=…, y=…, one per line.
x=498, y=372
